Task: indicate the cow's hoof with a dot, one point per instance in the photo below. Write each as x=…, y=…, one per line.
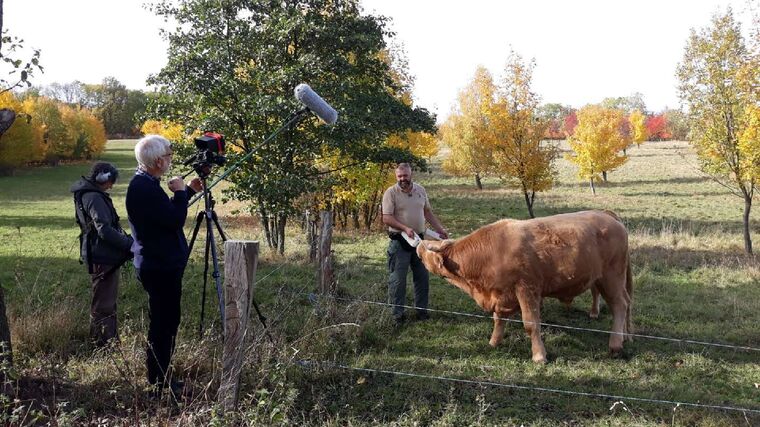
x=593, y=315
x=494, y=342
x=539, y=360
x=616, y=353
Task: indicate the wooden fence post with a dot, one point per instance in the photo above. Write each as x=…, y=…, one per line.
x=240, y=259
x=326, y=281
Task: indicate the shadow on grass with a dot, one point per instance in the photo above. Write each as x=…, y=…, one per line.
x=612, y=183
x=20, y=223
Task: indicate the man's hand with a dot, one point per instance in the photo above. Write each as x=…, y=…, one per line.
x=443, y=233
x=410, y=232
x=196, y=184
x=175, y=184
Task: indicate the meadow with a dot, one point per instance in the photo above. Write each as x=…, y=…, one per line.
x=341, y=361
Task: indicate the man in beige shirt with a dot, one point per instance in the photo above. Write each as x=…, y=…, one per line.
x=405, y=209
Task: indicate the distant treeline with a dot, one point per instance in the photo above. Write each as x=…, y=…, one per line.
x=68, y=121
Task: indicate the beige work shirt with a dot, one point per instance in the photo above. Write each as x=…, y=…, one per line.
x=408, y=208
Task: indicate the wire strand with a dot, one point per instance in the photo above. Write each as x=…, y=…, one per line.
x=550, y=325
x=311, y=364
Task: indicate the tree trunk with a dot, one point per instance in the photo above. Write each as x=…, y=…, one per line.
x=529, y=202
x=593, y=189
x=478, y=183
x=604, y=176
x=747, y=236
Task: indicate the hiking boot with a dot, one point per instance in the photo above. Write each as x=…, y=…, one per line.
x=422, y=316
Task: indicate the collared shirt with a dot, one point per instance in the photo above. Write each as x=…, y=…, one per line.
x=407, y=208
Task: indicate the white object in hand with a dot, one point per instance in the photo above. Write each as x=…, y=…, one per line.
x=432, y=234
x=413, y=241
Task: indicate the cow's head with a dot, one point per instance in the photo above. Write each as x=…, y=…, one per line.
x=431, y=255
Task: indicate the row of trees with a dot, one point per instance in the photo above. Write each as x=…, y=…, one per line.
x=670, y=124
x=47, y=130
x=497, y=129
x=500, y=130
x=121, y=110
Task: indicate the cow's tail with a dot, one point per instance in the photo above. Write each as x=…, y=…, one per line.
x=629, y=288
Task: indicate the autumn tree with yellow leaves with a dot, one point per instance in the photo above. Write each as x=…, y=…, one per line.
x=597, y=143
x=637, y=120
x=719, y=76
x=520, y=158
x=498, y=130
x=468, y=132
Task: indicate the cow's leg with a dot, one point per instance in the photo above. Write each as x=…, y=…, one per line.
x=594, y=312
x=617, y=301
x=498, y=329
x=531, y=316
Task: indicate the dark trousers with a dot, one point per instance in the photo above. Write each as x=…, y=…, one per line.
x=164, y=288
x=103, y=306
x=399, y=261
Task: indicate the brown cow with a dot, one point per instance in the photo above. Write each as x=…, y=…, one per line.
x=511, y=265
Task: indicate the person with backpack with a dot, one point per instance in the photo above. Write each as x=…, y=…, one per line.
x=104, y=247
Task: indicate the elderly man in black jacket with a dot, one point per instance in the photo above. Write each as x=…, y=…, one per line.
x=104, y=247
x=160, y=250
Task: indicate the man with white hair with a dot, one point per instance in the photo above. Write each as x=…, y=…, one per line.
x=160, y=250
x=405, y=209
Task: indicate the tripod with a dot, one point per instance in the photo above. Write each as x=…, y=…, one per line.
x=210, y=216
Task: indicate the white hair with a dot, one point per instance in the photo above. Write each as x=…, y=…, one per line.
x=149, y=149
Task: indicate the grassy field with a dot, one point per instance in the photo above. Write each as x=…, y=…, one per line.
x=692, y=281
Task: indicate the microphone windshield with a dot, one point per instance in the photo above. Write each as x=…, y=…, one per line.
x=316, y=104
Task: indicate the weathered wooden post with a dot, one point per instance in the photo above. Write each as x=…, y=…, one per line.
x=326, y=280
x=240, y=260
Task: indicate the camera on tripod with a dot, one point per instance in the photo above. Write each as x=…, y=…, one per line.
x=210, y=152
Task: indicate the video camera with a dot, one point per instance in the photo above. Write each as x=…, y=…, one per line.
x=210, y=152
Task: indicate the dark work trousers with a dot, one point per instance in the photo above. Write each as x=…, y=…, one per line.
x=399, y=261
x=103, y=306
x=164, y=288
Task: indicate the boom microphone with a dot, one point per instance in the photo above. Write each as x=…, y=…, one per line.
x=316, y=104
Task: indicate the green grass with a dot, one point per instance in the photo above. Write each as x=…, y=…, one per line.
x=692, y=281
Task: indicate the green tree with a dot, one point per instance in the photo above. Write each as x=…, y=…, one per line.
x=626, y=104
x=718, y=82
x=119, y=108
x=232, y=67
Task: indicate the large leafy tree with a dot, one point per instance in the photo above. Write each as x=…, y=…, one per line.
x=719, y=79
x=116, y=106
x=520, y=158
x=468, y=132
x=232, y=68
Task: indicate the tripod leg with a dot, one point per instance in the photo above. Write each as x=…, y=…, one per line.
x=218, y=226
x=205, y=281
x=198, y=222
x=215, y=274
